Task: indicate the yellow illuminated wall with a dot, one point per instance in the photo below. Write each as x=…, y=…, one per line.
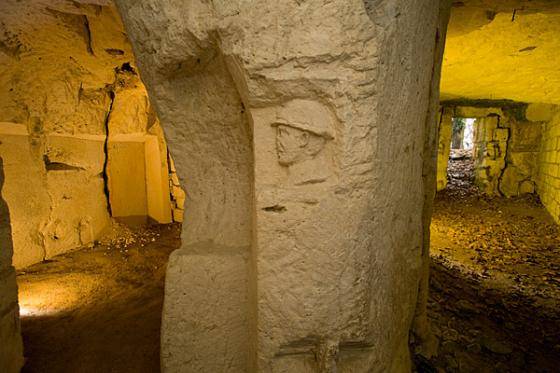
x=549, y=166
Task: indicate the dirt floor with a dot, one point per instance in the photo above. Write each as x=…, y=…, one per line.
x=495, y=281
x=494, y=306
x=98, y=309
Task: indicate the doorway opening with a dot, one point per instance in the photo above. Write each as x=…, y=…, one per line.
x=462, y=135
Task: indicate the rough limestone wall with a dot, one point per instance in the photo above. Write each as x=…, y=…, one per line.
x=422, y=340
x=67, y=81
x=445, y=130
x=11, y=349
x=314, y=262
x=506, y=148
x=521, y=171
x=24, y=190
x=490, y=151
x=178, y=195
x=549, y=161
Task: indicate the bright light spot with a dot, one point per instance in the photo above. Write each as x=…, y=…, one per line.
x=35, y=306
x=51, y=295
x=468, y=135
x=24, y=311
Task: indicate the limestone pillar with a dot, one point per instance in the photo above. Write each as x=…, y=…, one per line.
x=299, y=130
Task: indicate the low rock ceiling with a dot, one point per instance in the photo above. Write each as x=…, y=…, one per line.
x=503, y=50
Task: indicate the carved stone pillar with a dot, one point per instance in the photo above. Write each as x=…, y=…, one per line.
x=298, y=130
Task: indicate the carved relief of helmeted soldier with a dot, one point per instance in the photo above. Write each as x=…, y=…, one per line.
x=303, y=129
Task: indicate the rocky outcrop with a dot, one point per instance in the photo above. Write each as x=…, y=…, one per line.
x=549, y=157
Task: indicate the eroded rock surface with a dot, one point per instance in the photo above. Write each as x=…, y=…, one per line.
x=70, y=99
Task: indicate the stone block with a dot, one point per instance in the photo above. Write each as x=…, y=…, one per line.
x=54, y=191
x=174, y=179
x=172, y=168
x=527, y=187
x=500, y=134
x=211, y=336
x=476, y=112
x=178, y=215
x=540, y=112
x=179, y=195
x=126, y=172
x=75, y=184
x=25, y=193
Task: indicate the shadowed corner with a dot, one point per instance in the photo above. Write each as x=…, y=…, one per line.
x=11, y=348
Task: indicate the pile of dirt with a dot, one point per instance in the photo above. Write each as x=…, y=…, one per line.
x=121, y=236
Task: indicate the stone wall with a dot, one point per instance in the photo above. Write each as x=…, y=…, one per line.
x=521, y=172
x=178, y=195
x=490, y=152
x=54, y=191
x=55, y=188
x=506, y=148
x=11, y=354
x=303, y=242
x=549, y=159
x=80, y=140
x=445, y=129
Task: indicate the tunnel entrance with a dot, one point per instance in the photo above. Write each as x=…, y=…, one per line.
x=495, y=239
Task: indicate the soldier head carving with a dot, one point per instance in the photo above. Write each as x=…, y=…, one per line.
x=302, y=129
